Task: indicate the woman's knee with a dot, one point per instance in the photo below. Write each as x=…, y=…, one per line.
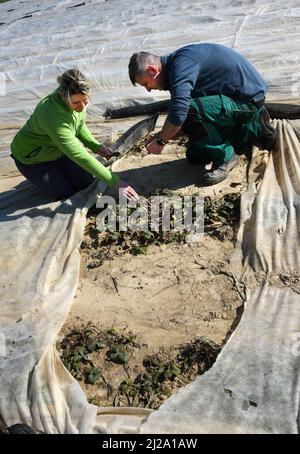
x=79, y=177
x=48, y=178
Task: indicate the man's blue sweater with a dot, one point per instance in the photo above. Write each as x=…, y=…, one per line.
x=208, y=69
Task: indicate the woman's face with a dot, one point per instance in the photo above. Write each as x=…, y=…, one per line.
x=78, y=102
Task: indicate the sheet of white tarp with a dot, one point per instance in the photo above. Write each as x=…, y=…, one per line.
x=38, y=278
x=269, y=239
x=39, y=242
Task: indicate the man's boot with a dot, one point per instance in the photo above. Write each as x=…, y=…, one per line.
x=221, y=172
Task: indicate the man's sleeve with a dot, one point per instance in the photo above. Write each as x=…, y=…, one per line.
x=86, y=137
x=63, y=137
x=182, y=79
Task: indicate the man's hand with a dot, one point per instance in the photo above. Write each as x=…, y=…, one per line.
x=104, y=151
x=126, y=190
x=149, y=139
x=153, y=147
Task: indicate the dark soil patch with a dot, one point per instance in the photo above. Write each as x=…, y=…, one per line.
x=112, y=366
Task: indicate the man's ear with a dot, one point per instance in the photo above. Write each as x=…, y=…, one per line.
x=153, y=71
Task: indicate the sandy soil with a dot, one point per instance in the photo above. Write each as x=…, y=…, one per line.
x=176, y=292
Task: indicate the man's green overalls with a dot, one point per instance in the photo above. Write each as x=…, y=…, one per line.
x=217, y=126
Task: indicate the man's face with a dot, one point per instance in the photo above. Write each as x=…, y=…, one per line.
x=151, y=79
x=78, y=102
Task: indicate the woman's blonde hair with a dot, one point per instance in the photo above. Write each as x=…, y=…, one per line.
x=72, y=82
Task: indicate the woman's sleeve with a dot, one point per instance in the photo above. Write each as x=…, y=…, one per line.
x=86, y=137
x=63, y=137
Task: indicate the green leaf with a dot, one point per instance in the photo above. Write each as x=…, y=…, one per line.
x=136, y=250
x=92, y=374
x=168, y=373
x=175, y=370
x=81, y=351
x=147, y=385
x=113, y=330
x=76, y=358
x=117, y=356
x=148, y=235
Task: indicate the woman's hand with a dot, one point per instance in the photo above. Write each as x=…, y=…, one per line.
x=104, y=151
x=126, y=190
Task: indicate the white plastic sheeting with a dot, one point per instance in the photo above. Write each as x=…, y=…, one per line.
x=38, y=280
x=39, y=275
x=39, y=253
x=270, y=215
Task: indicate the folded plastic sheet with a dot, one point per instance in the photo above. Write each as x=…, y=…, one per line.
x=270, y=217
x=253, y=387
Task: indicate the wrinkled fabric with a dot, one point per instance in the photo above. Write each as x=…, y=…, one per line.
x=38, y=280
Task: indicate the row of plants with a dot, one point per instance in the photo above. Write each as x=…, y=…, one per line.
x=220, y=215
x=160, y=374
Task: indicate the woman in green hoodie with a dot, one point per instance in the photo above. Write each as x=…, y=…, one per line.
x=49, y=150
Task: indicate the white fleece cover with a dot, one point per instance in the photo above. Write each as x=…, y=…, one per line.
x=39, y=240
x=38, y=279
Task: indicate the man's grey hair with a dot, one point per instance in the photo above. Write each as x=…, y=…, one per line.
x=73, y=82
x=139, y=62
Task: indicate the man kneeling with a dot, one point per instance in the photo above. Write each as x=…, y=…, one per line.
x=219, y=129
